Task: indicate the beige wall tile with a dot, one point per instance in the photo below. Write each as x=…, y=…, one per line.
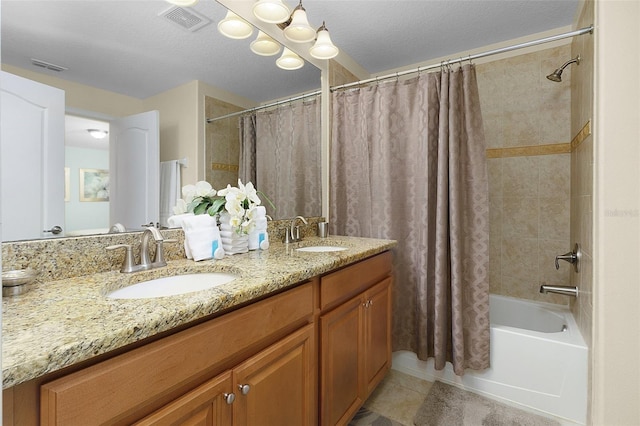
x=529, y=195
x=520, y=217
x=582, y=102
x=494, y=174
x=518, y=287
x=520, y=177
x=222, y=143
x=554, y=218
x=519, y=259
x=555, y=175
x=520, y=128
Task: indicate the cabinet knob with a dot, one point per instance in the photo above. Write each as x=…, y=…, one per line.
x=244, y=389
x=368, y=303
x=229, y=398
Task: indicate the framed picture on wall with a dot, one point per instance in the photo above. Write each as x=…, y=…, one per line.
x=94, y=185
x=67, y=179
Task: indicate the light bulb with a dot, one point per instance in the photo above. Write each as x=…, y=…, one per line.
x=271, y=11
x=234, y=26
x=289, y=60
x=299, y=30
x=264, y=45
x=323, y=48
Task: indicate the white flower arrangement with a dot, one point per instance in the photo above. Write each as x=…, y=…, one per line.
x=239, y=202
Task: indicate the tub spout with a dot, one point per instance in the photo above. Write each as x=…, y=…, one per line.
x=559, y=289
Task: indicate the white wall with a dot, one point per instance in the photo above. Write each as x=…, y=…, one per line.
x=616, y=352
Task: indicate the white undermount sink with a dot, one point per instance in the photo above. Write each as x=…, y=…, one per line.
x=321, y=249
x=172, y=286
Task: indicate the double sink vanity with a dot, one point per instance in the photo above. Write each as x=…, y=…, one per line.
x=282, y=336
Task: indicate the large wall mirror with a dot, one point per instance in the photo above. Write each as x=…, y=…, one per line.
x=133, y=52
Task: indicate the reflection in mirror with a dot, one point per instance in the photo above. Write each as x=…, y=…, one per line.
x=113, y=92
x=85, y=154
x=278, y=149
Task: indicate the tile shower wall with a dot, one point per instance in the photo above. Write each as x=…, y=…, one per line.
x=529, y=193
x=582, y=84
x=222, y=144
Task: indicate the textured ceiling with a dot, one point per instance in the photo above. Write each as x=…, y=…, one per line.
x=125, y=47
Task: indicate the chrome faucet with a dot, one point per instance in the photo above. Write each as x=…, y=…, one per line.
x=293, y=235
x=129, y=265
x=145, y=260
x=559, y=289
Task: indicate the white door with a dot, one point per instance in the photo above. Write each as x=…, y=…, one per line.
x=134, y=169
x=31, y=158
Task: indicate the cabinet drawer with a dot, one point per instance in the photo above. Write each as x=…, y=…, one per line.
x=134, y=383
x=345, y=283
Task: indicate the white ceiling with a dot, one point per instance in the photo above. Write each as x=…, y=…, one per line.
x=76, y=131
x=125, y=47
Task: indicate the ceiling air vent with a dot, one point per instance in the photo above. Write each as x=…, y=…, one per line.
x=48, y=65
x=186, y=19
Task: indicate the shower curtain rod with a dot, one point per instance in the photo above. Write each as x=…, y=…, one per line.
x=272, y=104
x=581, y=31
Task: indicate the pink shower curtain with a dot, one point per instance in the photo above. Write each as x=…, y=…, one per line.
x=408, y=163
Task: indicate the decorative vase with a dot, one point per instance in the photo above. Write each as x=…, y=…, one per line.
x=232, y=242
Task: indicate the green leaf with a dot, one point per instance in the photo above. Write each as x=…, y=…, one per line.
x=217, y=205
x=193, y=204
x=201, y=208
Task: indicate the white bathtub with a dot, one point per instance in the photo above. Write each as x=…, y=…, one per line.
x=538, y=360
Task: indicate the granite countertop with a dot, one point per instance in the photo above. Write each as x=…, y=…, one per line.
x=59, y=323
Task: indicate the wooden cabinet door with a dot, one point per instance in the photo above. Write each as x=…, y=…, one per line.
x=207, y=405
x=377, y=333
x=277, y=387
x=340, y=366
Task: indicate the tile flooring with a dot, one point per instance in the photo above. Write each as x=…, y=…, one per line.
x=398, y=397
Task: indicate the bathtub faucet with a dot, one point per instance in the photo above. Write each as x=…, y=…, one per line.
x=559, y=289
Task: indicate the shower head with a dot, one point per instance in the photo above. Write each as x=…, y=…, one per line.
x=557, y=74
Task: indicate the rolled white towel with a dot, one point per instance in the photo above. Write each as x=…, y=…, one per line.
x=202, y=236
x=175, y=221
x=226, y=234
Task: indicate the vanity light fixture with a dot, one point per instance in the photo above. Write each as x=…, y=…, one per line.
x=264, y=45
x=234, y=26
x=295, y=27
x=299, y=30
x=183, y=3
x=271, y=11
x=97, y=133
x=323, y=47
x=289, y=60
